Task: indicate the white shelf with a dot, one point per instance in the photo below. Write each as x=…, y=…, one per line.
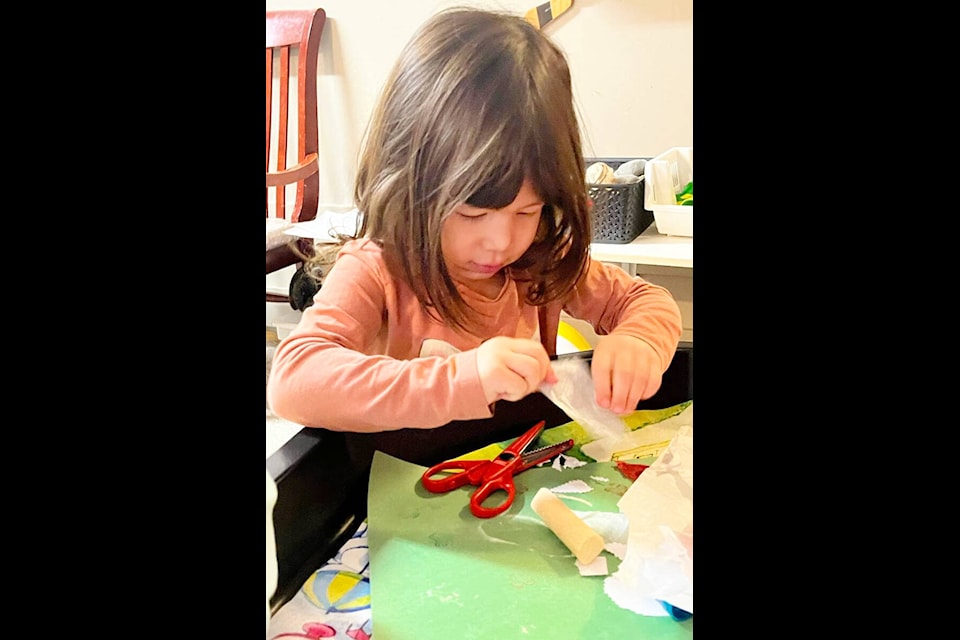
x=649, y=248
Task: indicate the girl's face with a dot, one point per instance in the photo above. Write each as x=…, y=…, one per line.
x=478, y=243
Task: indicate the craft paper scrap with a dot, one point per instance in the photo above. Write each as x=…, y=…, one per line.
x=618, y=549
x=658, y=563
x=574, y=486
x=562, y=462
x=596, y=568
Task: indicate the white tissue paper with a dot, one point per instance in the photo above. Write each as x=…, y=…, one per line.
x=658, y=563
x=573, y=392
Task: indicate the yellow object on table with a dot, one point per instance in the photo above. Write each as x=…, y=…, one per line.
x=584, y=542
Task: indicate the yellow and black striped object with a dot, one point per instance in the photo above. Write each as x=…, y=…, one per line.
x=547, y=12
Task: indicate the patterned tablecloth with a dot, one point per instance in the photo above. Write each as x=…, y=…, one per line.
x=335, y=601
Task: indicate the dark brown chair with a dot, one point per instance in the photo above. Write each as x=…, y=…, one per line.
x=293, y=143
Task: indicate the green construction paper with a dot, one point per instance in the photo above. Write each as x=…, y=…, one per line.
x=437, y=571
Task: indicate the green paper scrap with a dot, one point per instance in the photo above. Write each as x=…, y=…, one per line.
x=439, y=572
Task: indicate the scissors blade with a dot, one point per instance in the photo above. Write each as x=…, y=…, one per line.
x=522, y=443
x=542, y=454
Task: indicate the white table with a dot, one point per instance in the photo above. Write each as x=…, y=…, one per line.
x=649, y=248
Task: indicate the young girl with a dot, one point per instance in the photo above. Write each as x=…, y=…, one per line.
x=474, y=235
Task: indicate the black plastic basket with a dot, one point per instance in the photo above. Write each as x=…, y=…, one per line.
x=618, y=216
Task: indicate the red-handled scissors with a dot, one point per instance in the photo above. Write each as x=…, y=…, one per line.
x=493, y=475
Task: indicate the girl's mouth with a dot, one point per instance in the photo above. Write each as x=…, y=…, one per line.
x=486, y=269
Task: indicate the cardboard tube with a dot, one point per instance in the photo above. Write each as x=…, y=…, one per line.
x=584, y=542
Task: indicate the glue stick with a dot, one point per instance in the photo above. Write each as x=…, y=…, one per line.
x=585, y=543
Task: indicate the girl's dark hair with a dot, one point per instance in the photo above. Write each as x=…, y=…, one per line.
x=476, y=102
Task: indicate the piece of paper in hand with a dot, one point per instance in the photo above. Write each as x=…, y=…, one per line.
x=573, y=392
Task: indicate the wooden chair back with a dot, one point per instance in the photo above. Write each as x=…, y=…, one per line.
x=292, y=136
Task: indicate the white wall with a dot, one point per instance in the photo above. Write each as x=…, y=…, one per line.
x=631, y=62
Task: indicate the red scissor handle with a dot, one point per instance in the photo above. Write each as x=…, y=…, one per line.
x=499, y=480
x=468, y=471
x=490, y=475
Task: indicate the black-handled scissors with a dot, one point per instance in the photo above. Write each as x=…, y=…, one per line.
x=493, y=475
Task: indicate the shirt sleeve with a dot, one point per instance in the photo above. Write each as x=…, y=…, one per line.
x=326, y=373
x=614, y=302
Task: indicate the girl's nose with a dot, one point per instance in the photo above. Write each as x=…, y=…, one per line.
x=498, y=233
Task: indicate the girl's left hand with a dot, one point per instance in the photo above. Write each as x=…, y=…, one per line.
x=625, y=371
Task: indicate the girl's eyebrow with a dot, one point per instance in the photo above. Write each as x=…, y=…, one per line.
x=534, y=203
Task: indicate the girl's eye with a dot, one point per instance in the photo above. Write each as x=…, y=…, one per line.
x=471, y=213
x=475, y=213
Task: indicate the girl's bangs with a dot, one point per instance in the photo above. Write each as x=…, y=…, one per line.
x=499, y=191
x=515, y=163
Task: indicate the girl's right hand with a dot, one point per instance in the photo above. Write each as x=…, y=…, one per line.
x=512, y=368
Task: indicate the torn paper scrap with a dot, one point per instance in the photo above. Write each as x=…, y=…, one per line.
x=562, y=462
x=618, y=549
x=658, y=563
x=620, y=592
x=596, y=568
x=574, y=486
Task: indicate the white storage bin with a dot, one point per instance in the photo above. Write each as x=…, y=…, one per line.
x=665, y=176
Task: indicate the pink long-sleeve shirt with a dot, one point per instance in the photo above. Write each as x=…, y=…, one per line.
x=366, y=357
